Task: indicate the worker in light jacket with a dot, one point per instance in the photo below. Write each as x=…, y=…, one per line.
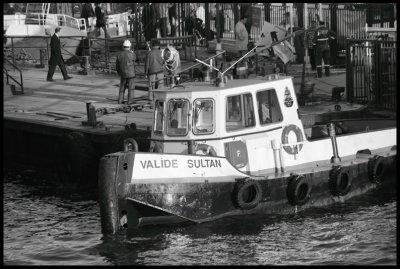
x=322, y=49
x=125, y=66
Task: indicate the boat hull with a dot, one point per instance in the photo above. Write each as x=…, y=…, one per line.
x=206, y=199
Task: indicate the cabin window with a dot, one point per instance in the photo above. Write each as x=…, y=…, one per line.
x=178, y=117
x=239, y=112
x=159, y=117
x=268, y=107
x=203, y=120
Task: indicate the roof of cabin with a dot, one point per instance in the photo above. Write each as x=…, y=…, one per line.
x=210, y=86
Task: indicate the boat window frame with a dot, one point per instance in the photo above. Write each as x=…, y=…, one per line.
x=155, y=130
x=167, y=121
x=194, y=116
x=275, y=95
x=241, y=126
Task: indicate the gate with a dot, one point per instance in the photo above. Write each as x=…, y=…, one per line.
x=371, y=73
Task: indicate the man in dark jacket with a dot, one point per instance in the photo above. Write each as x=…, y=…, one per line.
x=322, y=48
x=125, y=66
x=101, y=20
x=56, y=57
x=154, y=68
x=87, y=12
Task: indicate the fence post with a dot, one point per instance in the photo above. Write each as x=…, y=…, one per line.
x=378, y=76
x=12, y=49
x=349, y=81
x=207, y=21
x=48, y=52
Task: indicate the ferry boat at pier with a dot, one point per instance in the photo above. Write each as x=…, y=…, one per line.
x=239, y=147
x=27, y=34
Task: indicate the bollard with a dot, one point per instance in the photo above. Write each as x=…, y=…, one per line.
x=91, y=116
x=85, y=65
x=42, y=56
x=275, y=147
x=335, y=158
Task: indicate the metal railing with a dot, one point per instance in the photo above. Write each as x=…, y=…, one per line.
x=8, y=76
x=371, y=73
x=55, y=19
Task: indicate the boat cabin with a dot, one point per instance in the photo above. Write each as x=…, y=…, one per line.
x=239, y=121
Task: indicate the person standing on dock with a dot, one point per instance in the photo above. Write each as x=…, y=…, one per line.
x=125, y=66
x=155, y=68
x=242, y=40
x=322, y=48
x=309, y=42
x=56, y=57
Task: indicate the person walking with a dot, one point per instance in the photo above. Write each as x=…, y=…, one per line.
x=101, y=20
x=56, y=57
x=155, y=68
x=125, y=66
x=322, y=48
x=87, y=12
x=309, y=43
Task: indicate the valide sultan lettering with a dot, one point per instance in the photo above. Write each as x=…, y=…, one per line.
x=201, y=163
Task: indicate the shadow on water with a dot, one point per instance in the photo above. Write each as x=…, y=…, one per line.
x=42, y=184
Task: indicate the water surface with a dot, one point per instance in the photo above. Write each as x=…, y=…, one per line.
x=48, y=224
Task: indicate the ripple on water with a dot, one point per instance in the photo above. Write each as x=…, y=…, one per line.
x=45, y=226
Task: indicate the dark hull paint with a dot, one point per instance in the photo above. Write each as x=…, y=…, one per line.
x=147, y=204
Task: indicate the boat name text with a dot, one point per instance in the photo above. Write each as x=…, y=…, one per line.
x=206, y=163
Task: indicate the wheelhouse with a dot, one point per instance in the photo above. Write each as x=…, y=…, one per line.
x=233, y=121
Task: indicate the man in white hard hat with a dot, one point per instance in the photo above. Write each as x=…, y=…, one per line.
x=125, y=66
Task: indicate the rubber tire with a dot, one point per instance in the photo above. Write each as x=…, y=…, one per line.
x=295, y=187
x=335, y=181
x=238, y=192
x=76, y=160
x=376, y=168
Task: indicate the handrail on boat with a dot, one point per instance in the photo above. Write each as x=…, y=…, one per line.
x=51, y=19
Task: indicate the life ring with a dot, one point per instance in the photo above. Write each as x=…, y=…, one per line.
x=285, y=139
x=207, y=149
x=76, y=159
x=376, y=168
x=298, y=190
x=247, y=194
x=340, y=181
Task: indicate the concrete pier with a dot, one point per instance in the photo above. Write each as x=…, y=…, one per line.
x=44, y=126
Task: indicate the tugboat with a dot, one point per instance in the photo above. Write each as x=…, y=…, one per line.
x=238, y=147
